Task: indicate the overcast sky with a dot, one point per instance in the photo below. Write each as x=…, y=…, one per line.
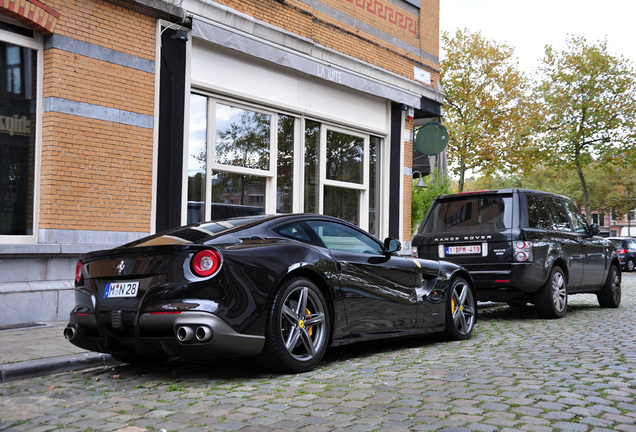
x=529, y=25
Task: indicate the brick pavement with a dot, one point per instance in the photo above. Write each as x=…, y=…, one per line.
x=518, y=372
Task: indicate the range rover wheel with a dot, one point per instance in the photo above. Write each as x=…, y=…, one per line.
x=610, y=294
x=551, y=301
x=630, y=265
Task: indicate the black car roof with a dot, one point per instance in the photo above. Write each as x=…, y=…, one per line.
x=501, y=192
x=203, y=232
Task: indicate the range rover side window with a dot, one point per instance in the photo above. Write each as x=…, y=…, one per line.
x=560, y=219
x=538, y=216
x=580, y=225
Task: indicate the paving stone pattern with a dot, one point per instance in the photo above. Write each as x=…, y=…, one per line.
x=518, y=372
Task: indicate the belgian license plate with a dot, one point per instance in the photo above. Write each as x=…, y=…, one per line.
x=463, y=250
x=121, y=289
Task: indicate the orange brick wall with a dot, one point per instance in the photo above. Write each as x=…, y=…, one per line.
x=97, y=175
x=299, y=18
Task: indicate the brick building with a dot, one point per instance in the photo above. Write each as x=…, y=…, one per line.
x=126, y=117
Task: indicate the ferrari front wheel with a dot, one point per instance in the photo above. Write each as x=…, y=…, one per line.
x=298, y=328
x=461, y=311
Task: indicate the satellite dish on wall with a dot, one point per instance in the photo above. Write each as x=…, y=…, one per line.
x=431, y=139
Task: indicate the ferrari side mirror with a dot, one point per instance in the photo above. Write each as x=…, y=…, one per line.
x=392, y=245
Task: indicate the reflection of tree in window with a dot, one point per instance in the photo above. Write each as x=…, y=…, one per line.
x=285, y=171
x=374, y=146
x=538, y=216
x=312, y=139
x=344, y=157
x=232, y=188
x=245, y=141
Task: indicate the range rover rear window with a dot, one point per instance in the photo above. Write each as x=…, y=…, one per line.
x=472, y=214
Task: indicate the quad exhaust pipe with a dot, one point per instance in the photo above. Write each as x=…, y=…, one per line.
x=185, y=334
x=201, y=334
x=70, y=333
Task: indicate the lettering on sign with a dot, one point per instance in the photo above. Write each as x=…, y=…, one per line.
x=330, y=74
x=15, y=125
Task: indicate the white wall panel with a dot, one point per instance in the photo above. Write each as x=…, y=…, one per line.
x=232, y=73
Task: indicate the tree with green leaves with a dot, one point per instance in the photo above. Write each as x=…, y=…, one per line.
x=435, y=184
x=588, y=99
x=487, y=110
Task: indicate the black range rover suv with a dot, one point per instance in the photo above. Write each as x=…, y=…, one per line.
x=522, y=246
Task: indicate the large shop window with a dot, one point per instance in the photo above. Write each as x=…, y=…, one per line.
x=18, y=95
x=243, y=161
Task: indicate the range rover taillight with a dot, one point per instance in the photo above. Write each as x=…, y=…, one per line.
x=523, y=251
x=206, y=262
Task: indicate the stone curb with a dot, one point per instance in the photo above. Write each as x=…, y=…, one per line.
x=53, y=365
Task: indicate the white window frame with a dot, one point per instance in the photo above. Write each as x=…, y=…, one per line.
x=36, y=43
x=270, y=175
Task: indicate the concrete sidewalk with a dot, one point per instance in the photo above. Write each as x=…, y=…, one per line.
x=39, y=349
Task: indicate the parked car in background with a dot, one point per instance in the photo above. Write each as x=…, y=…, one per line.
x=626, y=252
x=522, y=246
x=280, y=288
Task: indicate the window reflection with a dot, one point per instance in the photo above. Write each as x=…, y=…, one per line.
x=197, y=157
x=343, y=203
x=17, y=138
x=538, y=216
x=242, y=137
x=285, y=171
x=312, y=140
x=374, y=190
x=236, y=195
x=344, y=157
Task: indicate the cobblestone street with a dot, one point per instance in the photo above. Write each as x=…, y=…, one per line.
x=518, y=372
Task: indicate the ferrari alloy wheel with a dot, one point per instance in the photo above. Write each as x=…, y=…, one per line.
x=297, y=328
x=610, y=294
x=551, y=300
x=461, y=314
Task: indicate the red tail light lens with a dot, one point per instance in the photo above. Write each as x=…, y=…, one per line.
x=205, y=263
x=622, y=251
x=523, y=251
x=79, y=268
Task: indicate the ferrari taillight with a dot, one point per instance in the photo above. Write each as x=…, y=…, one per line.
x=79, y=268
x=205, y=263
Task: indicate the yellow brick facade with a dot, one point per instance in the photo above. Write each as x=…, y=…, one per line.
x=97, y=174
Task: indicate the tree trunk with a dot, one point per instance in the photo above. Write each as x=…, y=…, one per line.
x=586, y=197
x=462, y=174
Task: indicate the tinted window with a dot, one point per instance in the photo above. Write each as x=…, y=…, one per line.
x=618, y=243
x=300, y=231
x=346, y=239
x=559, y=216
x=578, y=221
x=538, y=216
x=470, y=213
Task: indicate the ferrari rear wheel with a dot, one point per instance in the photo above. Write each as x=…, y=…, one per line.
x=298, y=328
x=461, y=311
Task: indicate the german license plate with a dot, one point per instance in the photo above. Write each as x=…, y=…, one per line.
x=463, y=250
x=121, y=289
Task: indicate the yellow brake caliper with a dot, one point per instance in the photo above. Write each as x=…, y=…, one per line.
x=311, y=329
